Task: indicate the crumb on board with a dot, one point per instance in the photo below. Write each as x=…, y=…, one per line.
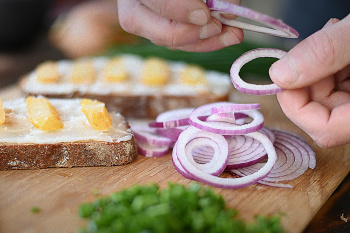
x=343, y=218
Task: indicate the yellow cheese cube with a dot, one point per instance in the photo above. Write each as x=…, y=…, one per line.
x=43, y=114
x=83, y=72
x=96, y=114
x=155, y=72
x=2, y=113
x=47, y=72
x=115, y=71
x=193, y=75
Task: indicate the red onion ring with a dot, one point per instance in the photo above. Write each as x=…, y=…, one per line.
x=275, y=27
x=178, y=165
x=228, y=117
x=233, y=108
x=232, y=183
x=241, y=156
x=225, y=128
x=148, y=150
x=293, y=159
x=203, y=154
x=147, y=135
x=250, y=153
x=171, y=133
x=196, y=138
x=268, y=133
x=249, y=88
x=302, y=144
x=173, y=118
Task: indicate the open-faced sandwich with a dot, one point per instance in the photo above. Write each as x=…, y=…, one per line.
x=39, y=132
x=134, y=86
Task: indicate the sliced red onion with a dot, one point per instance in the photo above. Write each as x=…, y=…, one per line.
x=203, y=154
x=268, y=133
x=276, y=185
x=289, y=165
x=171, y=133
x=300, y=142
x=151, y=150
x=275, y=27
x=250, y=153
x=249, y=88
x=270, y=184
x=196, y=138
x=174, y=114
x=247, y=152
x=293, y=159
x=214, y=141
x=225, y=128
x=147, y=135
x=256, y=153
x=186, y=161
x=172, y=118
x=234, y=108
x=218, y=162
x=178, y=165
x=228, y=117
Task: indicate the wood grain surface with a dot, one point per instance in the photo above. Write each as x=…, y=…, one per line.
x=58, y=192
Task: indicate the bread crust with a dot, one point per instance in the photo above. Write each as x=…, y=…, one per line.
x=66, y=154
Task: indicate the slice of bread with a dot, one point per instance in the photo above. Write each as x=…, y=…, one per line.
x=24, y=146
x=134, y=86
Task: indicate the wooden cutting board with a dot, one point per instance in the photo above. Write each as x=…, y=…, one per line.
x=58, y=192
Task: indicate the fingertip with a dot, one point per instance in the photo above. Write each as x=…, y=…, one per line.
x=283, y=73
x=231, y=36
x=199, y=17
x=209, y=30
x=331, y=22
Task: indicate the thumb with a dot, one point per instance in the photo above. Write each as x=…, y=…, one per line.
x=317, y=57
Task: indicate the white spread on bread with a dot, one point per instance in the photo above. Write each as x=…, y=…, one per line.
x=19, y=129
x=217, y=83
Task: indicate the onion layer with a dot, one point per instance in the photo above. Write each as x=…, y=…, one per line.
x=249, y=88
x=225, y=128
x=185, y=160
x=275, y=27
x=293, y=159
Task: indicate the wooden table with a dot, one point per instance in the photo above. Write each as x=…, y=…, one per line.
x=58, y=192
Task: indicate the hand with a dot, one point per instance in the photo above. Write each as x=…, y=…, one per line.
x=177, y=24
x=316, y=76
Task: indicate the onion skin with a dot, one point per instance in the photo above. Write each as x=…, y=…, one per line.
x=276, y=27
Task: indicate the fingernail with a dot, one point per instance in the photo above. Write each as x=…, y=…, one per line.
x=209, y=30
x=284, y=72
x=198, y=17
x=331, y=22
x=229, y=38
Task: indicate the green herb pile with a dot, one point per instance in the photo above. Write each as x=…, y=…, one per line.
x=148, y=209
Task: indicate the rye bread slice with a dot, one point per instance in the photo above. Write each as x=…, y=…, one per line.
x=131, y=97
x=118, y=149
